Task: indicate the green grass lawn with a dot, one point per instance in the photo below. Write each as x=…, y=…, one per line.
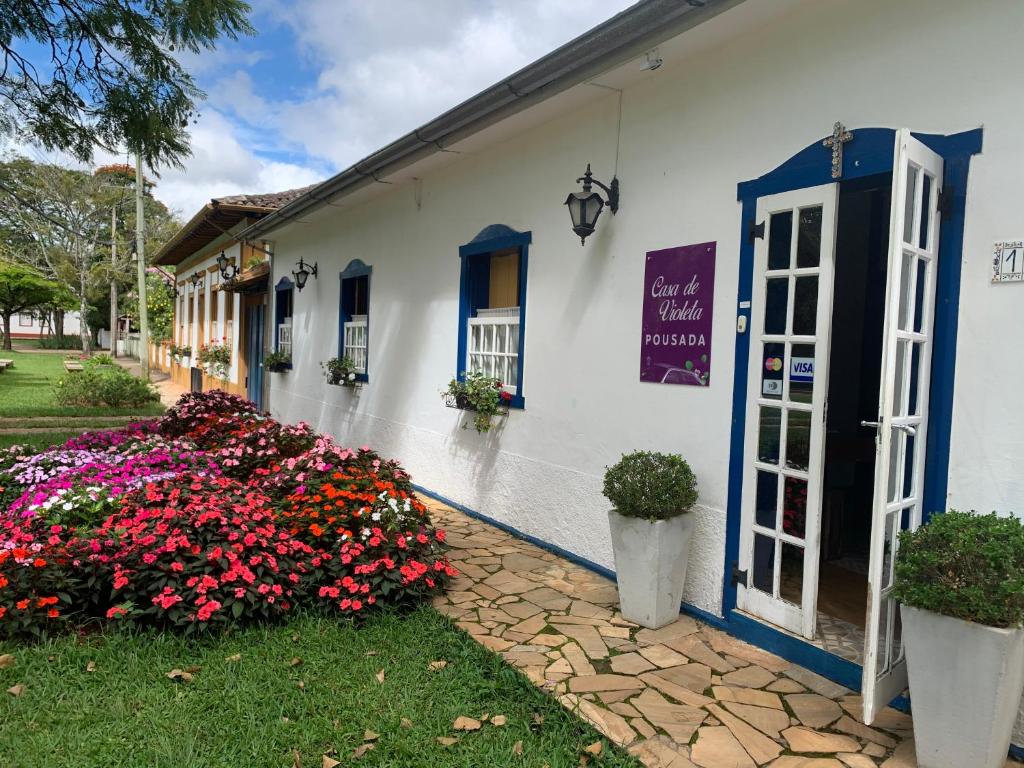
x=307, y=688
x=39, y=441
x=27, y=389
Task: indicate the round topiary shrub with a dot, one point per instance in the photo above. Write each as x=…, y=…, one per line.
x=654, y=486
x=966, y=566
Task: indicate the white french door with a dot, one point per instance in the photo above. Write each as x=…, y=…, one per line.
x=791, y=316
x=903, y=405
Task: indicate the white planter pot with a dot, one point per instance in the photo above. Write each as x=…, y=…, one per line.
x=650, y=566
x=966, y=681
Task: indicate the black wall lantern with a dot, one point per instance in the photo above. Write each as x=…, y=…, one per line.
x=222, y=263
x=586, y=206
x=302, y=274
x=197, y=281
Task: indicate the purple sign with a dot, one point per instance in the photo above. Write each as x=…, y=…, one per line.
x=679, y=290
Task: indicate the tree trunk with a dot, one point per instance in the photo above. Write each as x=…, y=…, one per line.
x=58, y=325
x=83, y=310
x=7, y=330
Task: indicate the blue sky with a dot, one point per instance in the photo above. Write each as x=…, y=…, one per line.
x=326, y=82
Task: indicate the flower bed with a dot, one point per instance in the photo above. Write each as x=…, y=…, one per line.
x=210, y=516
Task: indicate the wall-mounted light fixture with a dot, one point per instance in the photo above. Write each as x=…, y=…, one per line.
x=586, y=206
x=302, y=274
x=227, y=270
x=197, y=281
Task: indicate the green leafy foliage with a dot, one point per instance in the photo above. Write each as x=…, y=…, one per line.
x=104, y=385
x=340, y=371
x=67, y=341
x=479, y=393
x=276, y=361
x=21, y=289
x=964, y=565
x=655, y=486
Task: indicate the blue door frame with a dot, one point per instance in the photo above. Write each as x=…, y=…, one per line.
x=869, y=153
x=254, y=355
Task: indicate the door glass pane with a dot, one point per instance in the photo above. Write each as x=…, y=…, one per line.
x=915, y=379
x=767, y=498
x=897, y=637
x=919, y=297
x=763, y=577
x=926, y=208
x=895, y=462
x=908, y=208
x=808, y=243
x=798, y=439
x=776, y=299
x=780, y=236
x=906, y=284
x=768, y=435
x=899, y=382
x=882, y=663
x=805, y=306
x=794, y=507
x=889, y=553
x=801, y=373
x=772, y=370
x=909, y=464
x=791, y=577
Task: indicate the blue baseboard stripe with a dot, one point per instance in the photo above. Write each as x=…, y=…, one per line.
x=803, y=654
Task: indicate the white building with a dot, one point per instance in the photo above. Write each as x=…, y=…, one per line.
x=859, y=274
x=32, y=325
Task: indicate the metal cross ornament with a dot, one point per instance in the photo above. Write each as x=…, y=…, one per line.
x=839, y=137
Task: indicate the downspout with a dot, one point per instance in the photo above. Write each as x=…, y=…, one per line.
x=268, y=325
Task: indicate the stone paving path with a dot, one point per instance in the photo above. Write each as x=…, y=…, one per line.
x=682, y=696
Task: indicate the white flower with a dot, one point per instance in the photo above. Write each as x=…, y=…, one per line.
x=351, y=377
x=375, y=517
x=68, y=505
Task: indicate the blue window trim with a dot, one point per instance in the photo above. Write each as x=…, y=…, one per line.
x=284, y=284
x=870, y=153
x=496, y=237
x=356, y=268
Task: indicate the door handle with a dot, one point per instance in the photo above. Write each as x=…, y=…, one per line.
x=910, y=430
x=873, y=424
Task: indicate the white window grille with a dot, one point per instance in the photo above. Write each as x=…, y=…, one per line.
x=356, y=338
x=284, y=336
x=494, y=345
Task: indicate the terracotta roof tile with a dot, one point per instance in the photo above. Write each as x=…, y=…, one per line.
x=264, y=200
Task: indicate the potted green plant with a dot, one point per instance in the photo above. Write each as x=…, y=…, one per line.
x=478, y=393
x=651, y=529
x=960, y=583
x=341, y=371
x=277, y=361
x=216, y=357
x=178, y=353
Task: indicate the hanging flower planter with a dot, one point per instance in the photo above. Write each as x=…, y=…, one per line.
x=478, y=393
x=277, y=362
x=341, y=372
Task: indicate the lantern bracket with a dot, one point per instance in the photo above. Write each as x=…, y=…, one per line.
x=611, y=190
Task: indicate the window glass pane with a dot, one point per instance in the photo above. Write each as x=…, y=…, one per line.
x=805, y=306
x=776, y=299
x=772, y=369
x=926, y=208
x=763, y=577
x=801, y=373
x=808, y=243
x=791, y=578
x=794, y=507
x=767, y=501
x=768, y=435
x=798, y=439
x=908, y=209
x=780, y=236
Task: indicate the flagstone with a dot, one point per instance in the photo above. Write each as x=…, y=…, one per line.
x=607, y=722
x=684, y=625
x=642, y=727
x=624, y=709
x=659, y=752
x=816, y=682
x=847, y=724
x=747, y=696
x=904, y=756
x=531, y=626
x=758, y=746
x=578, y=659
x=518, y=562
x=743, y=652
x=486, y=592
x=749, y=677
x=621, y=633
x=518, y=637
x=560, y=669
x=526, y=658
x=679, y=721
x=801, y=739
x=473, y=628
x=579, y=620
x=857, y=760
x=677, y=692
x=472, y=571
x=662, y=656
x=630, y=664
x=795, y=761
x=618, y=621
x=522, y=609
x=462, y=597
x=694, y=676
x=509, y=584
x=769, y=721
x=695, y=649
x=484, y=560
x=888, y=719
x=587, y=637
x=875, y=750
x=507, y=599
x=601, y=683
x=548, y=599
x=549, y=640
x=716, y=747
x=785, y=685
x=814, y=710
x=612, y=697
x=589, y=610
x=493, y=643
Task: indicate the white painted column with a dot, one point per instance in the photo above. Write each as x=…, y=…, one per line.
x=236, y=326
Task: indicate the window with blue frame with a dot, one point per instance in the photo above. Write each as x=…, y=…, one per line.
x=492, y=307
x=354, y=317
x=284, y=294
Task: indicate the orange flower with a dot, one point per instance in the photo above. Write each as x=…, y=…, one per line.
x=21, y=605
x=39, y=563
x=53, y=613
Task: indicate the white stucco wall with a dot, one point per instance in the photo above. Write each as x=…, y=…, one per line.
x=690, y=131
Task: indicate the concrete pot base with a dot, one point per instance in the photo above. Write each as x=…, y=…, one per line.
x=966, y=681
x=650, y=566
